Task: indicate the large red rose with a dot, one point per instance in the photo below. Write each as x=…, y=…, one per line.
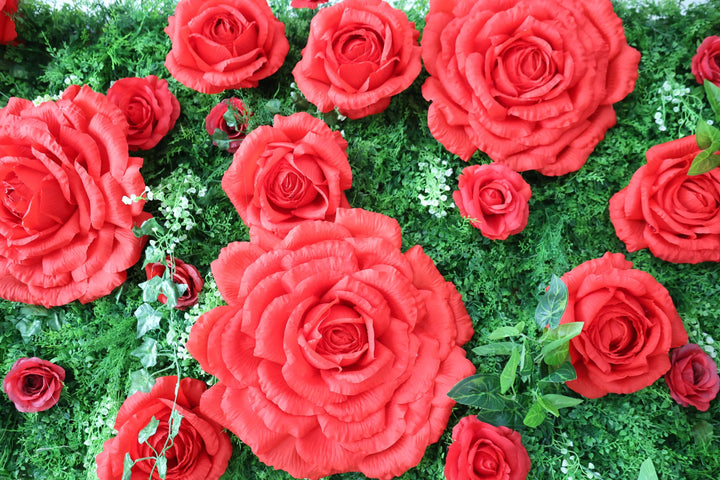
x=336, y=351
x=630, y=325
x=8, y=8
x=704, y=64
x=200, y=450
x=693, y=377
x=529, y=82
x=483, y=451
x=149, y=107
x=675, y=215
x=294, y=171
x=65, y=233
x=224, y=44
x=359, y=54
x=182, y=274
x=494, y=198
x=34, y=385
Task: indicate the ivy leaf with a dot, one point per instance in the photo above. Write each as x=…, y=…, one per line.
x=172, y=291
x=497, y=348
x=478, y=391
x=151, y=289
x=141, y=381
x=561, y=401
x=174, y=424
x=273, y=106
x=231, y=115
x=564, y=373
x=161, y=464
x=148, y=431
x=712, y=92
x=149, y=227
x=647, y=470
x=127, y=467
x=535, y=416
x=221, y=139
x=147, y=353
x=552, y=304
x=148, y=319
x=507, y=377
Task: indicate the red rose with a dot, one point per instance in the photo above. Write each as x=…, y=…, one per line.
x=306, y=3
x=216, y=120
x=630, y=325
x=200, y=450
x=693, y=377
x=294, y=171
x=529, y=82
x=704, y=64
x=224, y=44
x=495, y=198
x=8, y=9
x=483, y=451
x=359, y=54
x=675, y=215
x=34, y=385
x=182, y=274
x=336, y=351
x=65, y=233
x=149, y=107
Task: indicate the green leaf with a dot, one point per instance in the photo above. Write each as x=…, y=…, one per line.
x=161, y=464
x=497, y=348
x=557, y=356
x=127, y=467
x=504, y=332
x=564, y=373
x=535, y=416
x=712, y=92
x=478, y=391
x=548, y=406
x=147, y=353
x=552, y=304
x=221, y=139
x=561, y=401
x=149, y=430
x=702, y=432
x=273, y=106
x=141, y=381
x=172, y=291
x=703, y=134
x=231, y=115
x=148, y=319
x=507, y=377
x=560, y=336
x=647, y=470
x=149, y=227
x=703, y=163
x=174, y=424
x=151, y=288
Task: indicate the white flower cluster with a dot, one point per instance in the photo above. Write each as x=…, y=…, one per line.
x=703, y=339
x=571, y=465
x=676, y=101
x=436, y=193
x=99, y=430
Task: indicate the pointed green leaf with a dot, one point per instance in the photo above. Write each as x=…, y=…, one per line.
x=161, y=464
x=231, y=115
x=174, y=423
x=507, y=377
x=497, y=348
x=552, y=304
x=148, y=431
x=147, y=318
x=503, y=332
x=127, y=467
x=151, y=289
x=647, y=470
x=478, y=391
x=557, y=356
x=147, y=353
x=561, y=401
x=703, y=163
x=220, y=139
x=712, y=92
x=564, y=373
x=561, y=335
x=703, y=134
x=535, y=416
x=548, y=406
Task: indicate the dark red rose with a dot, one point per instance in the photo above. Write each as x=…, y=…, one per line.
x=359, y=54
x=495, y=198
x=704, y=64
x=182, y=274
x=336, y=351
x=65, y=233
x=149, y=107
x=8, y=9
x=34, y=385
x=530, y=83
x=216, y=120
x=306, y=3
x=693, y=377
x=224, y=44
x=630, y=325
x=483, y=451
x=675, y=215
x=200, y=450
x=294, y=171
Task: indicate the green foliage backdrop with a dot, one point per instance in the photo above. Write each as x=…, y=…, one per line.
x=398, y=170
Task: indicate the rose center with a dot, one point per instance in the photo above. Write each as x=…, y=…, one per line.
x=356, y=44
x=525, y=68
x=619, y=336
x=224, y=29
x=289, y=187
x=138, y=113
x=33, y=384
x=488, y=461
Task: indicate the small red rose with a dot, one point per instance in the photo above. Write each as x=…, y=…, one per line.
x=182, y=274
x=149, y=107
x=495, y=198
x=704, y=64
x=358, y=55
x=629, y=326
x=34, y=385
x=200, y=450
x=224, y=44
x=234, y=129
x=8, y=9
x=693, y=377
x=483, y=451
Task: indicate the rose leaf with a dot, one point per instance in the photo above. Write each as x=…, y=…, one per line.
x=149, y=430
x=647, y=470
x=552, y=304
